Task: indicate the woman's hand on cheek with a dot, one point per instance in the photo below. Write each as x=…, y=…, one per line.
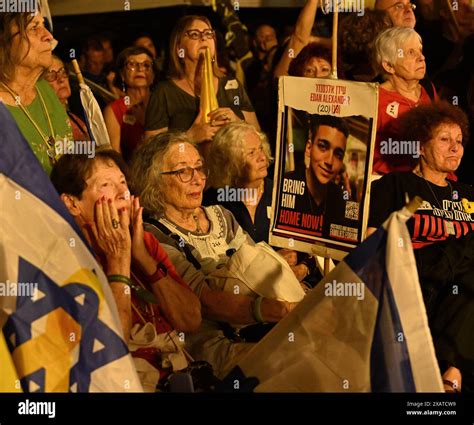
x=112, y=231
x=90, y=232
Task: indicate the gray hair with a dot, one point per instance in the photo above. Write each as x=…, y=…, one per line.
x=388, y=46
x=146, y=179
x=226, y=157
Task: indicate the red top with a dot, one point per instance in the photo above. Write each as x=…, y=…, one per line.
x=391, y=105
x=131, y=129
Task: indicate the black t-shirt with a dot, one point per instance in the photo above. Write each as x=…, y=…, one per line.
x=441, y=215
x=172, y=107
x=258, y=229
x=330, y=219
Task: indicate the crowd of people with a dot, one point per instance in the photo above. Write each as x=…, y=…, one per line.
x=149, y=204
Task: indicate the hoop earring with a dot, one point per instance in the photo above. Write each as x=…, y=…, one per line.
x=213, y=59
x=124, y=87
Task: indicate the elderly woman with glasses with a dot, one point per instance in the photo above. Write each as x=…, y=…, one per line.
x=58, y=78
x=25, y=54
x=169, y=174
x=125, y=117
x=175, y=104
x=399, y=59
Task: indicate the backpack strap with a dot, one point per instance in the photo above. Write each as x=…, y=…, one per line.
x=185, y=249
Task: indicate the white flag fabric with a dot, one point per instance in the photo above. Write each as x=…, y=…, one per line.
x=94, y=117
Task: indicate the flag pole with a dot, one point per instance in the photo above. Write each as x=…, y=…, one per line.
x=80, y=78
x=78, y=72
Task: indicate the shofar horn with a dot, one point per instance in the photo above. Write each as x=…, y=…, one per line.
x=208, y=94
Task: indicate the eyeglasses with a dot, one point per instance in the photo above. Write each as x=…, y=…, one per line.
x=52, y=75
x=186, y=174
x=139, y=66
x=399, y=7
x=196, y=34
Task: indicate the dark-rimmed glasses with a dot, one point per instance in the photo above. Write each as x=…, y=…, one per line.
x=186, y=174
x=52, y=75
x=197, y=35
x=139, y=66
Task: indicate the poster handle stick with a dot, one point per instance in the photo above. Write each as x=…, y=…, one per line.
x=335, y=19
x=326, y=265
x=290, y=148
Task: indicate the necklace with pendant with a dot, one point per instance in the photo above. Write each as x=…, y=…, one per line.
x=48, y=140
x=186, y=225
x=198, y=225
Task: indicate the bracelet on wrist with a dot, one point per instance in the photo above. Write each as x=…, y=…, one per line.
x=142, y=293
x=119, y=278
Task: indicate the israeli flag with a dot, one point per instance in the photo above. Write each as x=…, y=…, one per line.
x=59, y=320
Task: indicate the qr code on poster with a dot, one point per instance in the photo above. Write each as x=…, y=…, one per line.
x=352, y=210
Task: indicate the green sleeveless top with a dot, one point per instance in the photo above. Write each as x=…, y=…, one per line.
x=59, y=119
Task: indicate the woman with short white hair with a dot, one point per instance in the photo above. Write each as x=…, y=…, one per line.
x=400, y=61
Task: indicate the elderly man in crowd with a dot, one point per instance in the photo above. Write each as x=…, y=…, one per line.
x=401, y=12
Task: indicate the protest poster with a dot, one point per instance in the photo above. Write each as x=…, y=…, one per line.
x=326, y=135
